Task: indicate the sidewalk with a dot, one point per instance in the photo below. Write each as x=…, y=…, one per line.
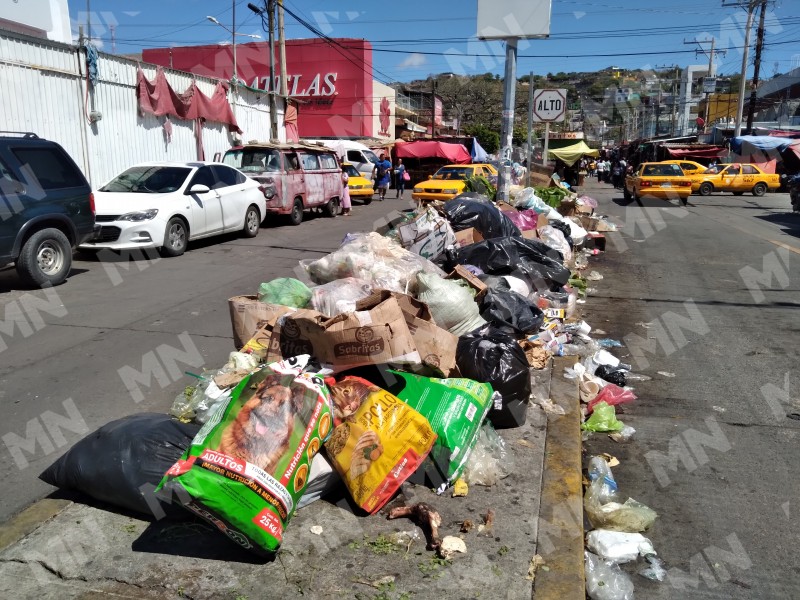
x=64, y=549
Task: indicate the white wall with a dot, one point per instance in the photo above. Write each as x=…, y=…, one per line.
x=43, y=90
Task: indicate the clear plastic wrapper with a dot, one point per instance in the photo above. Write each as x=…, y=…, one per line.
x=490, y=460
x=555, y=239
x=374, y=258
x=339, y=296
x=605, y=580
x=285, y=291
x=527, y=198
x=618, y=546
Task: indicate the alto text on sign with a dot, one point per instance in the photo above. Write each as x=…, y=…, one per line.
x=549, y=105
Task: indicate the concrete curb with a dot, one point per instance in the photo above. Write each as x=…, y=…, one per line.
x=29, y=520
x=560, y=538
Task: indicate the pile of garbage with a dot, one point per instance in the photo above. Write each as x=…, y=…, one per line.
x=397, y=357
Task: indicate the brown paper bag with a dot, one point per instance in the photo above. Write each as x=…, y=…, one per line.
x=248, y=314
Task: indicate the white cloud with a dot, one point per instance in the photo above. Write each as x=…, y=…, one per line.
x=413, y=60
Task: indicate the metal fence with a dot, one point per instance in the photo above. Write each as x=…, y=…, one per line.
x=43, y=89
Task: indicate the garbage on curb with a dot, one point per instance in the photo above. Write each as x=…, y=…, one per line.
x=618, y=546
x=403, y=353
x=603, y=509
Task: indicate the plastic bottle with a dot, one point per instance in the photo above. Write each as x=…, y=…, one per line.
x=603, y=485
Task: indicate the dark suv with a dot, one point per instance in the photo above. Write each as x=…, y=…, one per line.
x=46, y=208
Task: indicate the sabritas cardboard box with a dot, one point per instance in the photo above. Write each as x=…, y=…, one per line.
x=467, y=237
x=374, y=336
x=436, y=346
x=248, y=315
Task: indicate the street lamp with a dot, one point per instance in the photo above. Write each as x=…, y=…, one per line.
x=233, y=33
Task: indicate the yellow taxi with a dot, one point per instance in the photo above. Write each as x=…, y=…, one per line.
x=689, y=167
x=658, y=180
x=737, y=178
x=449, y=181
x=360, y=187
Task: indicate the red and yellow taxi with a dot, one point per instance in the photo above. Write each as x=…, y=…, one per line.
x=359, y=186
x=658, y=180
x=449, y=181
x=689, y=167
x=737, y=178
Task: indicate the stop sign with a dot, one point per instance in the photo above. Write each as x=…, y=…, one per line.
x=549, y=105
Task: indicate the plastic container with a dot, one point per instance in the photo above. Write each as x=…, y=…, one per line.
x=556, y=299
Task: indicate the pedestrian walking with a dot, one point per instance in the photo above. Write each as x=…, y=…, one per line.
x=400, y=174
x=382, y=174
x=346, y=205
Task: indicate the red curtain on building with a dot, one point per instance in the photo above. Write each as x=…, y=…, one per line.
x=290, y=121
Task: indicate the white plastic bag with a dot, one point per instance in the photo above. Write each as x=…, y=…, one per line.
x=618, y=546
x=452, y=305
x=339, y=296
x=527, y=198
x=489, y=461
x=381, y=261
x=555, y=239
x=605, y=580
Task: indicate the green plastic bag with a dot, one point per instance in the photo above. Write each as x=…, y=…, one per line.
x=285, y=291
x=455, y=408
x=603, y=419
x=248, y=466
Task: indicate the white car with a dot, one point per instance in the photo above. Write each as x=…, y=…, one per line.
x=165, y=204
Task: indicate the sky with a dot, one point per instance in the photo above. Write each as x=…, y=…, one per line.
x=414, y=38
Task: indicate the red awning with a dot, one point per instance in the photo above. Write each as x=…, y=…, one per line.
x=455, y=153
x=689, y=153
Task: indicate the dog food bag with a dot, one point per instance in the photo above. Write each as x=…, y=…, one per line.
x=249, y=464
x=379, y=444
x=455, y=408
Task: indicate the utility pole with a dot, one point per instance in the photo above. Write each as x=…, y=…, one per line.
x=751, y=8
x=509, y=92
x=757, y=67
x=282, y=51
x=530, y=124
x=710, y=74
x=273, y=110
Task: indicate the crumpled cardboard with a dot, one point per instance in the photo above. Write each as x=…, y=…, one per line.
x=248, y=315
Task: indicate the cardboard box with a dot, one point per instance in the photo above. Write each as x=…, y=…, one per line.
x=374, y=336
x=436, y=346
x=567, y=208
x=428, y=234
x=461, y=272
x=467, y=237
x=589, y=223
x=248, y=315
x=595, y=240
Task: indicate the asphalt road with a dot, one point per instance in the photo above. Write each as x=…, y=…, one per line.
x=714, y=289
x=61, y=350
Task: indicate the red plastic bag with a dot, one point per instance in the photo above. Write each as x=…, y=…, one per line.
x=612, y=395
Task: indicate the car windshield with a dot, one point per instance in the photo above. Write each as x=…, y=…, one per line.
x=713, y=170
x=661, y=170
x=371, y=157
x=258, y=160
x=453, y=173
x=233, y=158
x=148, y=180
x=351, y=171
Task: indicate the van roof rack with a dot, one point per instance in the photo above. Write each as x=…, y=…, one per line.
x=23, y=134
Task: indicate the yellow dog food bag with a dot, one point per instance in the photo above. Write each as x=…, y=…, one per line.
x=379, y=445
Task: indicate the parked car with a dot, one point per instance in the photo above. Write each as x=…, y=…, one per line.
x=164, y=205
x=450, y=180
x=689, y=167
x=658, y=180
x=737, y=178
x=360, y=187
x=293, y=177
x=355, y=153
x=46, y=208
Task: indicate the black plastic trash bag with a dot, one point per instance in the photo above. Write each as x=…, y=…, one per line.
x=122, y=462
x=492, y=355
x=502, y=307
x=563, y=228
x=521, y=257
x=612, y=375
x=487, y=219
x=475, y=196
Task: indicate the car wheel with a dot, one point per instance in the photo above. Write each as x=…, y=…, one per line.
x=45, y=259
x=367, y=200
x=176, y=238
x=626, y=194
x=331, y=208
x=296, y=216
x=252, y=222
x=706, y=188
x=738, y=193
x=759, y=189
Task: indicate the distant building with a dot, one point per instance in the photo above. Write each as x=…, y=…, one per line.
x=47, y=19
